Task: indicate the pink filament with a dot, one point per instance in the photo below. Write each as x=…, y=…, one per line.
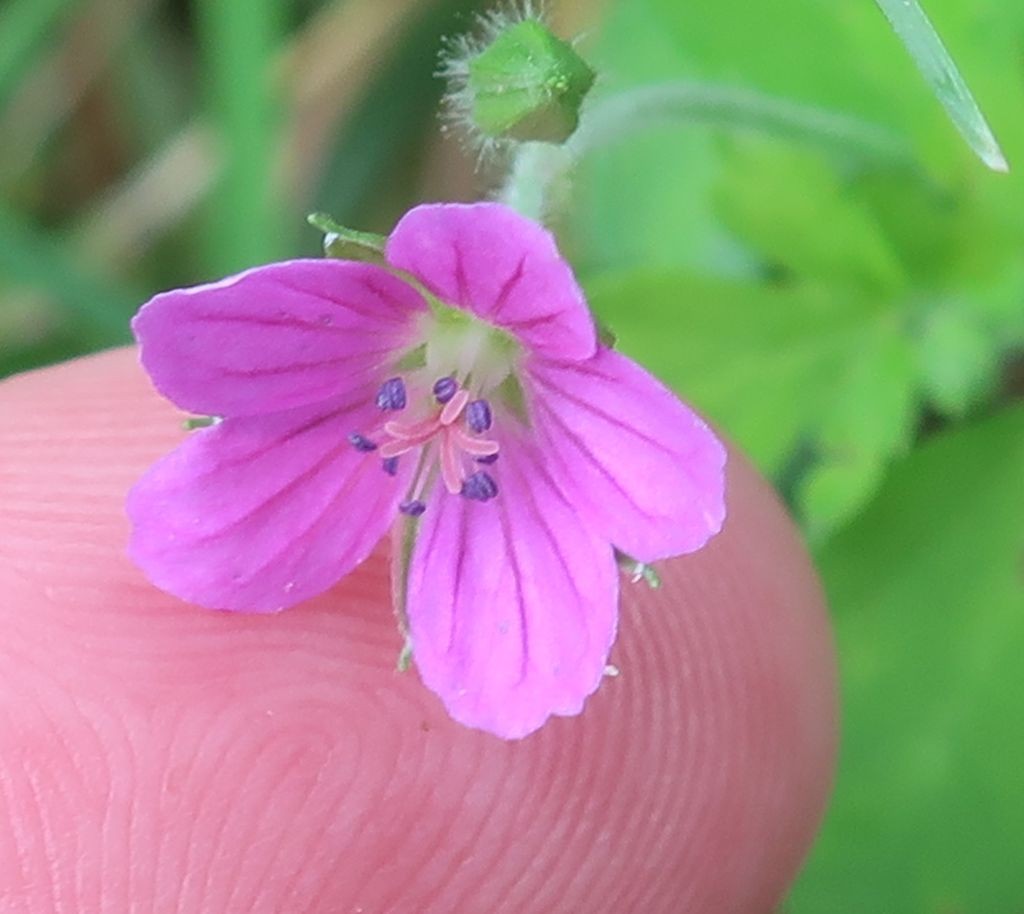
x=454, y=441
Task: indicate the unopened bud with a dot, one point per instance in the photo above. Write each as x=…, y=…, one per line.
x=520, y=82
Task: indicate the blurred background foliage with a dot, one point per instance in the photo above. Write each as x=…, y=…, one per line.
x=849, y=308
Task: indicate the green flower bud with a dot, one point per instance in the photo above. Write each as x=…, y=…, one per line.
x=520, y=82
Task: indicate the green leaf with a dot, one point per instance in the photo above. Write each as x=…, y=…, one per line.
x=928, y=594
x=870, y=420
x=765, y=363
x=649, y=201
x=794, y=210
x=958, y=358
x=818, y=385
x=940, y=72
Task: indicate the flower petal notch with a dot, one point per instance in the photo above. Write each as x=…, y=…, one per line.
x=519, y=458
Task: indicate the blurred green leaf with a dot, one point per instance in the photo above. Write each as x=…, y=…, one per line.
x=244, y=216
x=647, y=202
x=26, y=26
x=820, y=384
x=792, y=208
x=912, y=25
x=766, y=363
x=870, y=420
x=958, y=359
x=928, y=590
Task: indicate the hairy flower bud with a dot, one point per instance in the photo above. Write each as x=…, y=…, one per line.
x=517, y=81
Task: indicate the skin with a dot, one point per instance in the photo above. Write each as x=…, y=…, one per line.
x=159, y=757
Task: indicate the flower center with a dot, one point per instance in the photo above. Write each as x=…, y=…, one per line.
x=450, y=437
x=449, y=382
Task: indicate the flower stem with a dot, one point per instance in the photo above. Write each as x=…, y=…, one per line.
x=538, y=182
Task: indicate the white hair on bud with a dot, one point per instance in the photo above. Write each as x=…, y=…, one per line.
x=453, y=67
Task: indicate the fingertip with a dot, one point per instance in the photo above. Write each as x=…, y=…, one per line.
x=315, y=778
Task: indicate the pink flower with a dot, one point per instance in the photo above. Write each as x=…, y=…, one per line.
x=473, y=401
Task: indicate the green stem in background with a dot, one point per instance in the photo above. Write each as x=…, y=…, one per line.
x=240, y=39
x=933, y=60
x=538, y=183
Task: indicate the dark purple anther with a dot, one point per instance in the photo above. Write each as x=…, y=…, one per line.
x=414, y=507
x=479, y=487
x=390, y=465
x=488, y=459
x=478, y=415
x=391, y=394
x=444, y=389
x=361, y=443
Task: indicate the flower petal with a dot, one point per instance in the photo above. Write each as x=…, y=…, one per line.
x=512, y=603
x=279, y=336
x=262, y=512
x=488, y=259
x=642, y=467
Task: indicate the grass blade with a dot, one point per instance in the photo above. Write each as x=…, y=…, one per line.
x=929, y=53
x=240, y=43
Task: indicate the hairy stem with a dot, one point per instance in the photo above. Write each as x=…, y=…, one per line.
x=538, y=182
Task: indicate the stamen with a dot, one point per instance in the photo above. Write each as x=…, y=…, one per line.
x=478, y=416
x=475, y=447
x=392, y=394
x=454, y=407
x=479, y=487
x=417, y=431
x=442, y=445
x=406, y=437
x=451, y=467
x=361, y=443
x=444, y=389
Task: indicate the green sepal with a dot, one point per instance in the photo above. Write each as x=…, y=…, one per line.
x=348, y=244
x=404, y=657
x=510, y=393
x=194, y=422
x=638, y=571
x=412, y=359
x=528, y=85
x=606, y=335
